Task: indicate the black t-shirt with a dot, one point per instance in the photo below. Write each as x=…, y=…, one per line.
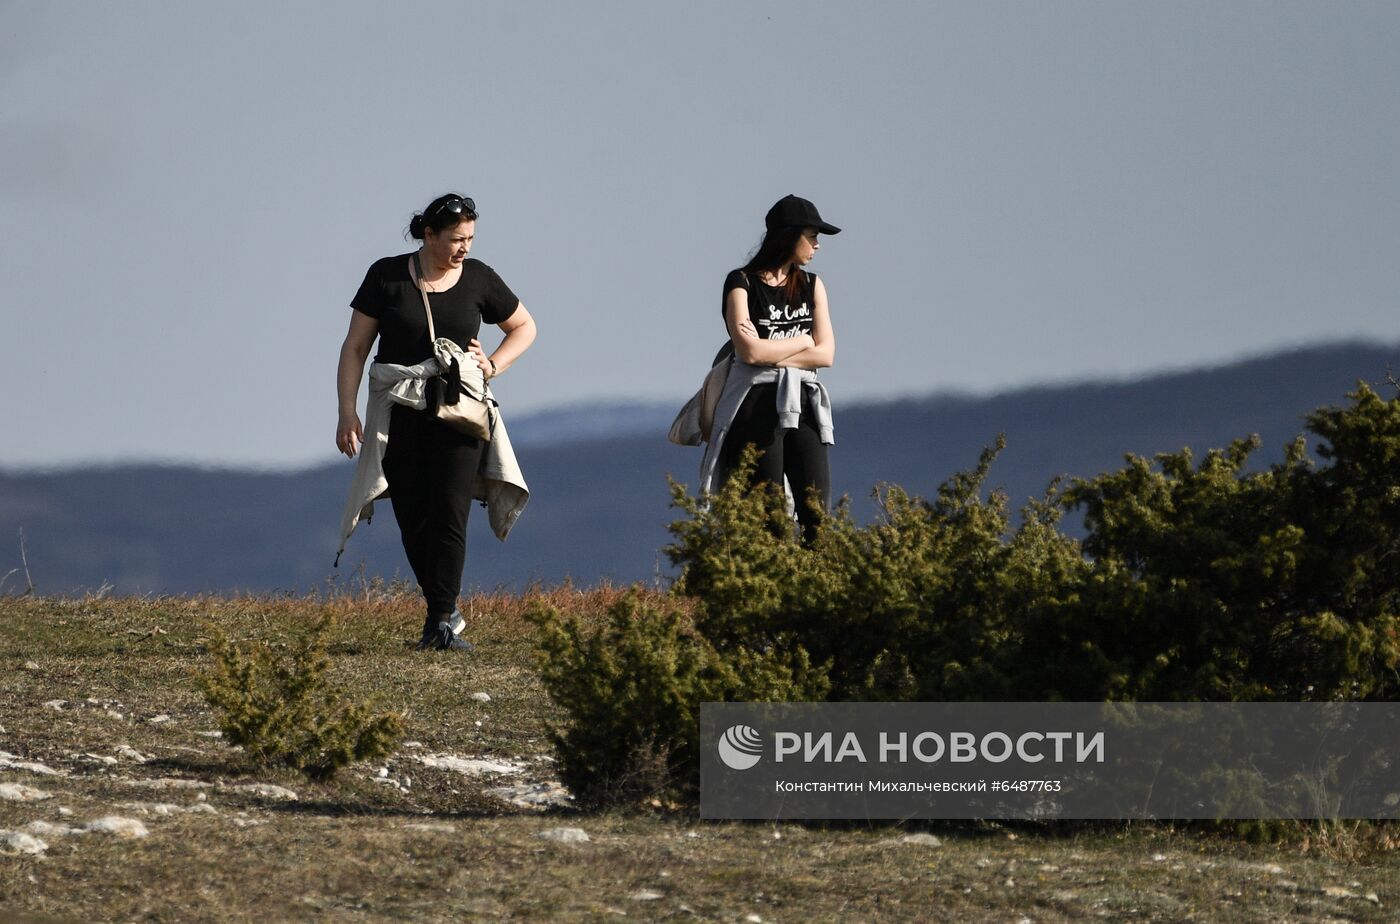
x=389, y=296
x=773, y=317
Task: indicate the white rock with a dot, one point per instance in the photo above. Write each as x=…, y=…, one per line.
x=167, y=783
x=565, y=835
x=19, y=842
x=413, y=744
x=18, y=792
x=10, y=762
x=1158, y=857
x=468, y=765
x=50, y=830
x=159, y=719
x=168, y=808
x=533, y=795
x=126, y=752
x=118, y=826
x=481, y=697
x=56, y=704
x=31, y=665
x=921, y=840
x=382, y=772
x=114, y=714
x=266, y=791
x=64, y=811
x=646, y=895
x=753, y=919
x=210, y=734
x=99, y=759
x=429, y=826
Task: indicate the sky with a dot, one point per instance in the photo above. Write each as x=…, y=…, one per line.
x=1029, y=192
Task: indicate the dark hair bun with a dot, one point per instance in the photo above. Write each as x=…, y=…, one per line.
x=415, y=227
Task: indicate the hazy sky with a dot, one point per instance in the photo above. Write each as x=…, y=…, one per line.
x=190, y=194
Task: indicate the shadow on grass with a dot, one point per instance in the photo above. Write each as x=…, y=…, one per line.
x=202, y=766
x=474, y=810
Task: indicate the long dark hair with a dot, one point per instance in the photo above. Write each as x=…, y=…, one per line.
x=439, y=218
x=774, y=252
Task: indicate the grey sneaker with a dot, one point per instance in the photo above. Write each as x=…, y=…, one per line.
x=447, y=636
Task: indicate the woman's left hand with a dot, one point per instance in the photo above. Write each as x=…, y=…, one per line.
x=479, y=357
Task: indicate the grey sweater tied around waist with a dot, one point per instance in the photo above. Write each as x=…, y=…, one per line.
x=796, y=388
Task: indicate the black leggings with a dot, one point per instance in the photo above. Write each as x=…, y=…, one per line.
x=799, y=453
x=431, y=470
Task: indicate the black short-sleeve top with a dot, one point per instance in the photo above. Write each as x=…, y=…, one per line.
x=389, y=296
x=773, y=316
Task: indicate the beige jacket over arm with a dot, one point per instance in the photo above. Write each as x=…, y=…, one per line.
x=500, y=483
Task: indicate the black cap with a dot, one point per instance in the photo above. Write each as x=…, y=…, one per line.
x=796, y=212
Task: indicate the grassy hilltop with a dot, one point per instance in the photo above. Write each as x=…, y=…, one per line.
x=99, y=717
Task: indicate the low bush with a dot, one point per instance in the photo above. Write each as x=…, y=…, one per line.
x=282, y=709
x=1194, y=581
x=631, y=691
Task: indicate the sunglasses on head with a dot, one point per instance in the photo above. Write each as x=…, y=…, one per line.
x=457, y=205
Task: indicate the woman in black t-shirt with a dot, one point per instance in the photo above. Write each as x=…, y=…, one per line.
x=430, y=467
x=776, y=313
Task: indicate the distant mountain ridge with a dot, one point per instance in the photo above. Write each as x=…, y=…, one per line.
x=580, y=422
x=600, y=504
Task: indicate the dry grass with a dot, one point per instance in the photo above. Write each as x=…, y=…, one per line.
x=444, y=848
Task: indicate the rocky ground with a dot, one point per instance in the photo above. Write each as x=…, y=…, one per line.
x=119, y=801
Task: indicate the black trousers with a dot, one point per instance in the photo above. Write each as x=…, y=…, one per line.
x=799, y=453
x=431, y=469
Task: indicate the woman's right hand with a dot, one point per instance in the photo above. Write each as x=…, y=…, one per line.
x=349, y=434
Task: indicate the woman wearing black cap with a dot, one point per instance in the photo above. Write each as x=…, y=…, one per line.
x=430, y=470
x=778, y=321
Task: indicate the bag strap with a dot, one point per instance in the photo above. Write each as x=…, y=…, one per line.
x=415, y=272
x=416, y=275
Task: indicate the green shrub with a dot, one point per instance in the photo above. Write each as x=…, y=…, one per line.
x=919, y=605
x=1212, y=583
x=1195, y=581
x=631, y=692
x=282, y=708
